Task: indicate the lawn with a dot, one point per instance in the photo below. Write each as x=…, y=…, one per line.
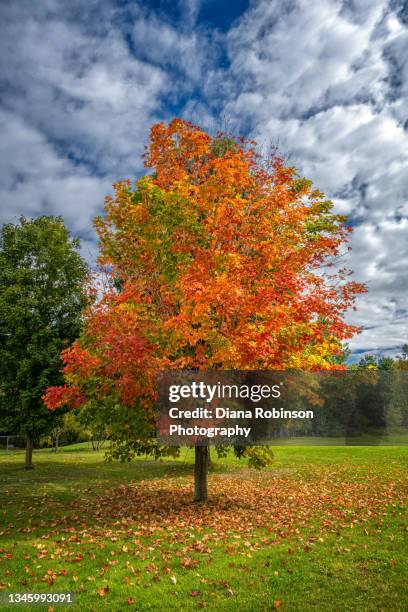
x=323, y=528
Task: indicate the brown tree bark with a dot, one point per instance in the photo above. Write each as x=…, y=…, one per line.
x=200, y=473
x=210, y=462
x=29, y=453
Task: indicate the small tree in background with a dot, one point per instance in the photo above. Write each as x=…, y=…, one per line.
x=215, y=262
x=402, y=360
x=42, y=278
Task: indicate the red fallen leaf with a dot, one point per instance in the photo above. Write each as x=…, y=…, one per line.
x=131, y=601
x=277, y=604
x=103, y=591
x=78, y=558
x=188, y=563
x=194, y=593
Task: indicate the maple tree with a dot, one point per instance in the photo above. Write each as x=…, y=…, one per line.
x=219, y=259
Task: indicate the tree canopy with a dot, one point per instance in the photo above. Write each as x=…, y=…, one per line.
x=218, y=259
x=42, y=296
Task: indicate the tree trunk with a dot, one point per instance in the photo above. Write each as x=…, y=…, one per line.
x=210, y=463
x=200, y=473
x=54, y=438
x=29, y=453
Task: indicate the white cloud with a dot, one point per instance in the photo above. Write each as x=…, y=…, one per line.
x=77, y=105
x=86, y=90
x=35, y=180
x=186, y=53
x=327, y=82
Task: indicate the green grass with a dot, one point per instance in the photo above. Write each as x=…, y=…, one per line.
x=324, y=529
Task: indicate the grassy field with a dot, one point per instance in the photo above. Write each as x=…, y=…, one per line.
x=323, y=528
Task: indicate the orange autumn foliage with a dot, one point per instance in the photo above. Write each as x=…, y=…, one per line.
x=217, y=260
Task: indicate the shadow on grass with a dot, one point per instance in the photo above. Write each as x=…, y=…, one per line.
x=58, y=496
x=14, y=474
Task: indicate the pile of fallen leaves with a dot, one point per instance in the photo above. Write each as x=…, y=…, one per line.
x=154, y=526
x=280, y=505
x=242, y=504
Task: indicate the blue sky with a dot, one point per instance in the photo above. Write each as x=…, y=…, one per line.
x=327, y=81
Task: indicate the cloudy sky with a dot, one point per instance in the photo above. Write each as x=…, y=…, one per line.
x=325, y=80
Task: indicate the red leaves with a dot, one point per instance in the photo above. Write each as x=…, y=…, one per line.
x=213, y=262
x=126, y=366
x=78, y=360
x=189, y=563
x=51, y=576
x=278, y=506
x=103, y=591
x=56, y=397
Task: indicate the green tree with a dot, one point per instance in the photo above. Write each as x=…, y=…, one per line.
x=42, y=280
